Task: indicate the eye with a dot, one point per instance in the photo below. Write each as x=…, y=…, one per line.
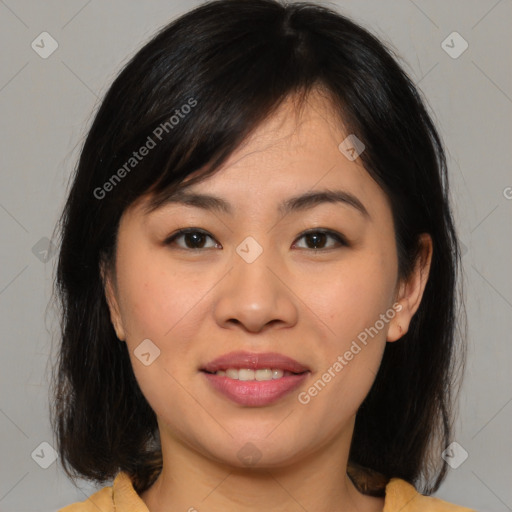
x=317, y=239
x=193, y=239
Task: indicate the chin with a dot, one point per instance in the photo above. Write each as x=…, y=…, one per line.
x=254, y=452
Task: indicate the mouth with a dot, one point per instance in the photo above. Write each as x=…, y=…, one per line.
x=255, y=362
x=247, y=374
x=254, y=379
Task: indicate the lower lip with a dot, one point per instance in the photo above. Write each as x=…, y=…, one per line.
x=254, y=393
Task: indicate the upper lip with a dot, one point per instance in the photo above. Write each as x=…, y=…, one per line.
x=254, y=361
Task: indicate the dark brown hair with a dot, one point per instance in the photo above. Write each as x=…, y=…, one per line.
x=236, y=61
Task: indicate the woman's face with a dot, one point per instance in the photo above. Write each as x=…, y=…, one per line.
x=263, y=272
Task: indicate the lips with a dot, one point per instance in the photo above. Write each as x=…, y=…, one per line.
x=288, y=374
x=254, y=361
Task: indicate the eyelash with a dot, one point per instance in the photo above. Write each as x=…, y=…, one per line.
x=333, y=234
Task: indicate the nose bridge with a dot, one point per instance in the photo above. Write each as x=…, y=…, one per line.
x=253, y=295
x=251, y=266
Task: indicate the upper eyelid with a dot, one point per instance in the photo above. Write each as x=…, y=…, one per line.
x=341, y=238
x=186, y=231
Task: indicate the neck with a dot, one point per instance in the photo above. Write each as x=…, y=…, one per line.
x=317, y=482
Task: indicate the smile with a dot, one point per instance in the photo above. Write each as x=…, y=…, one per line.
x=246, y=374
x=254, y=379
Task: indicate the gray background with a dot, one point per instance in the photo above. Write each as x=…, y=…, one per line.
x=47, y=105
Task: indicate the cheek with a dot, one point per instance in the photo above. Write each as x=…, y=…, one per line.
x=164, y=307
x=167, y=307
x=353, y=296
x=357, y=308
x=155, y=300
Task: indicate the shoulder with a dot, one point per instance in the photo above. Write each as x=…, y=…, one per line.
x=120, y=496
x=401, y=495
x=101, y=500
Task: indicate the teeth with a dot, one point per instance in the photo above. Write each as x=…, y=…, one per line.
x=245, y=374
x=232, y=373
x=265, y=374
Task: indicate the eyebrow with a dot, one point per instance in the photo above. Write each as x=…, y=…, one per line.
x=301, y=202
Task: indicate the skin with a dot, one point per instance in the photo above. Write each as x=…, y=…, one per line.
x=306, y=303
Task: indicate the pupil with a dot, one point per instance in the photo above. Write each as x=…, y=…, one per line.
x=196, y=238
x=317, y=238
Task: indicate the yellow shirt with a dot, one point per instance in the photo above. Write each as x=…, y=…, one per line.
x=121, y=497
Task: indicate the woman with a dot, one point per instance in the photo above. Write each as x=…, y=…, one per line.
x=257, y=275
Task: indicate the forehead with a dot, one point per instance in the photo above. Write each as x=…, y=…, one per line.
x=294, y=126
x=295, y=150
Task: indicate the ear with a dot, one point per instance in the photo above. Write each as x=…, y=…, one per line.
x=111, y=297
x=410, y=291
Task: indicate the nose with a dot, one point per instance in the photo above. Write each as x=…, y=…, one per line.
x=256, y=296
